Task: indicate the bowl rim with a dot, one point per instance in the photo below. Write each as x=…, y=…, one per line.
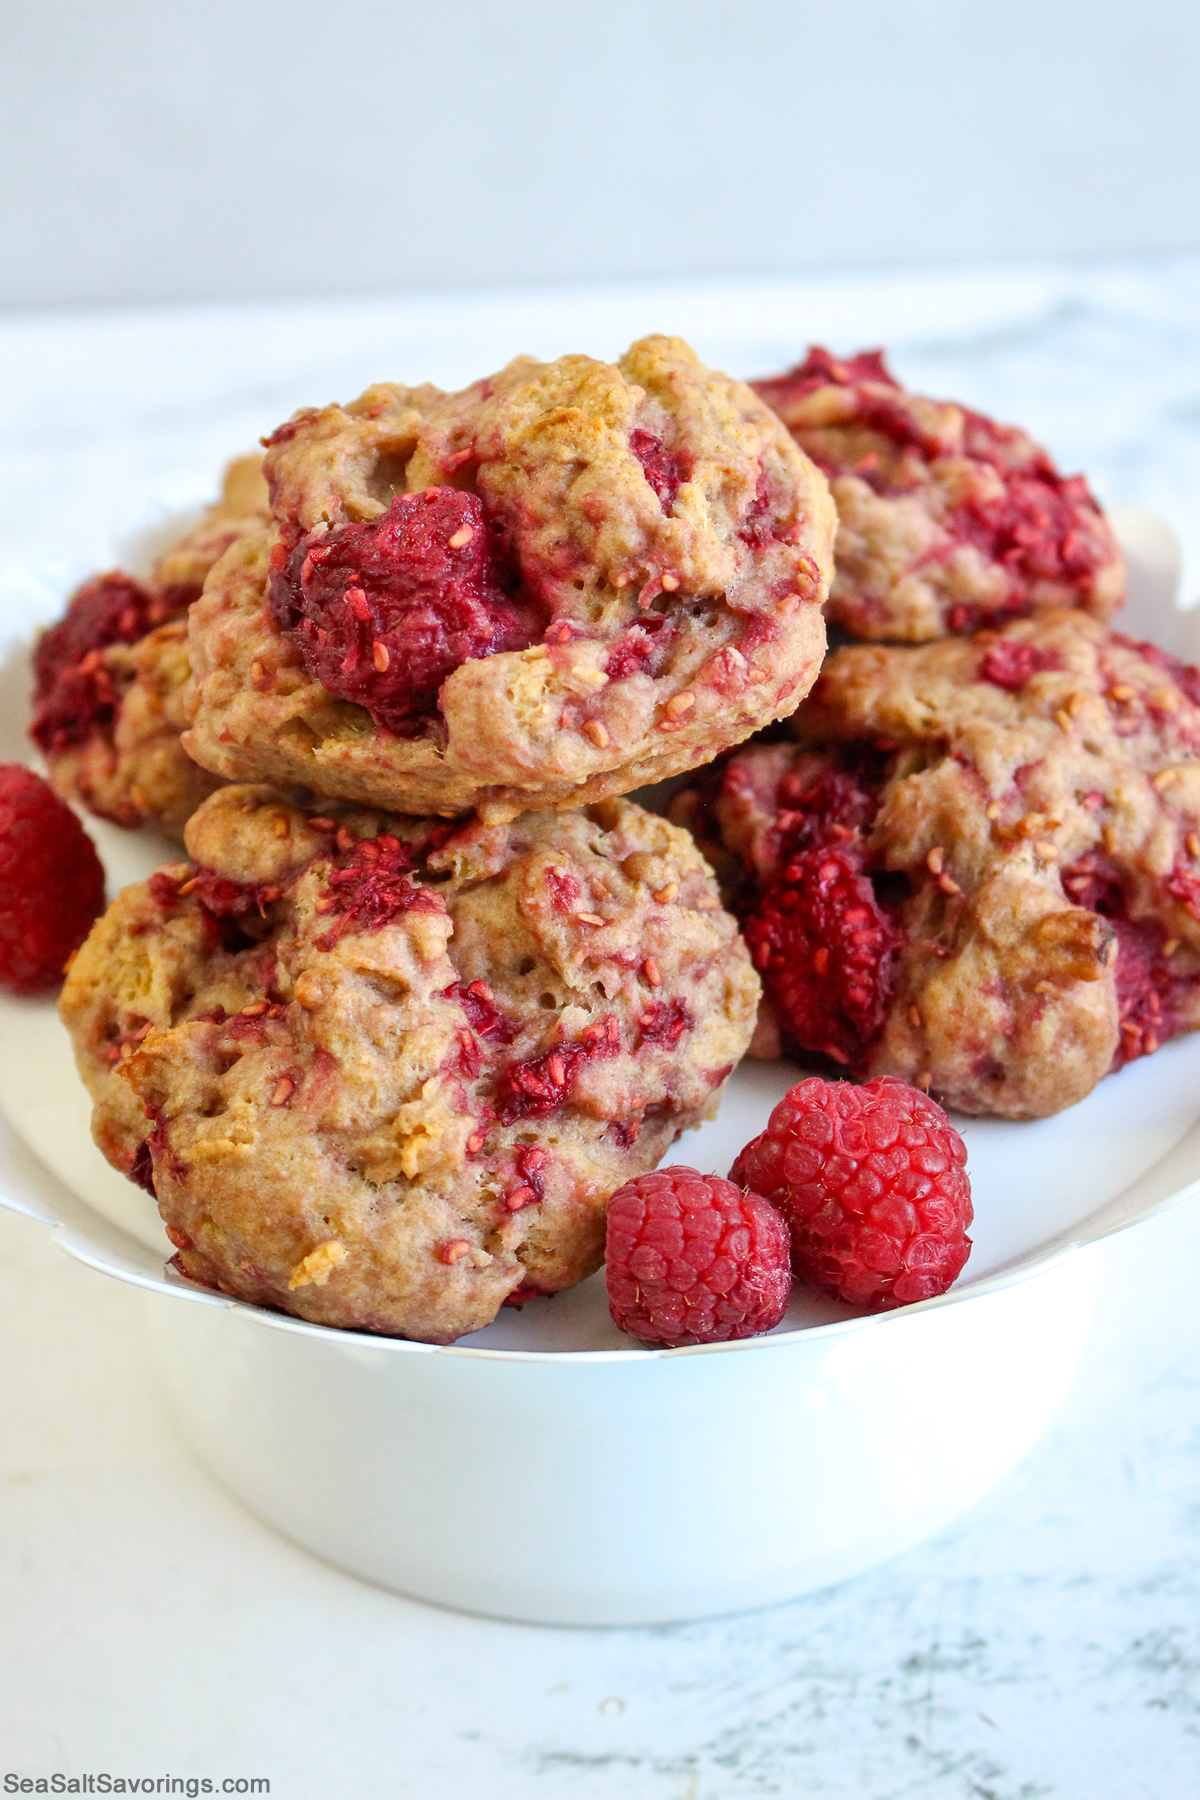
x=90, y=1239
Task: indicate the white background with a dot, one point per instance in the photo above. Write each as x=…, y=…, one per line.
x=157, y=149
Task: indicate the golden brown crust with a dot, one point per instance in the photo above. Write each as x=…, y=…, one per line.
x=737, y=566
x=343, y=1122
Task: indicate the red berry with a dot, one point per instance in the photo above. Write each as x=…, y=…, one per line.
x=51, y=882
x=383, y=612
x=873, y=1184
x=693, y=1259
x=73, y=691
x=1009, y=664
x=659, y=466
x=824, y=949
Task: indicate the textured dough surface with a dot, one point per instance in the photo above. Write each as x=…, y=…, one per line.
x=128, y=765
x=1035, y=840
x=389, y=1100
x=669, y=633
x=946, y=520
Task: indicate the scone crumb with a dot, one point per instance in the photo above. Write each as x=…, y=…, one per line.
x=315, y=1269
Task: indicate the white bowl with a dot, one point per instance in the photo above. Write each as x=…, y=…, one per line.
x=546, y=1468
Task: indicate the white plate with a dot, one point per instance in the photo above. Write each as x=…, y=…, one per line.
x=552, y=1420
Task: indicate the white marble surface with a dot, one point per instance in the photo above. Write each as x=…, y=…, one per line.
x=1048, y=1646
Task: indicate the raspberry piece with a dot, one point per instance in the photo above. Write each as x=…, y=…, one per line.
x=824, y=949
x=535, y=1089
x=664, y=1022
x=383, y=612
x=373, y=887
x=1041, y=524
x=1008, y=664
x=51, y=882
x=873, y=1184
x=483, y=1015
x=833, y=804
x=73, y=694
x=693, y=1259
x=659, y=466
x=642, y=651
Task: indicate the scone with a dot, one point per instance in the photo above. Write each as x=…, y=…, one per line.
x=109, y=677
x=384, y=1073
x=980, y=868
x=567, y=580
x=947, y=521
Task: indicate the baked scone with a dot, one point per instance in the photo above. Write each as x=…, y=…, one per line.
x=384, y=1073
x=947, y=521
x=980, y=870
x=109, y=678
x=567, y=580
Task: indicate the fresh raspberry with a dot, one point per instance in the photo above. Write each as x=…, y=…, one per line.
x=383, y=612
x=824, y=949
x=51, y=882
x=873, y=1184
x=694, y=1260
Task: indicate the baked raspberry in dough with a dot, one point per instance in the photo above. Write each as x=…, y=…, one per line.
x=946, y=520
x=569, y=579
x=385, y=1073
x=980, y=869
x=109, y=678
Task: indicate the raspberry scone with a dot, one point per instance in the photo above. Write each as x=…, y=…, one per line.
x=980, y=870
x=947, y=521
x=384, y=1073
x=109, y=677
x=567, y=580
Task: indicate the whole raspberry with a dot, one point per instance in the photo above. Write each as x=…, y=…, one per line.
x=694, y=1260
x=824, y=950
x=383, y=612
x=51, y=882
x=873, y=1185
